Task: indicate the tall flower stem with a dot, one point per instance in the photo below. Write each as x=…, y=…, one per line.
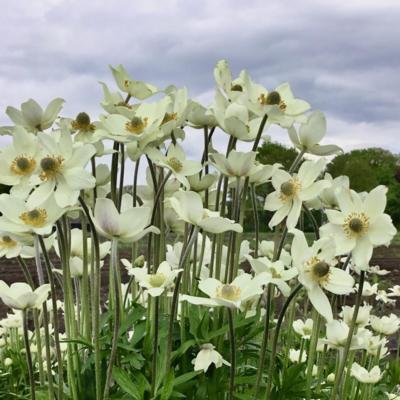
x=55, y=317
x=185, y=254
x=156, y=306
x=343, y=360
x=233, y=354
x=28, y=354
x=256, y=219
x=275, y=340
x=117, y=317
x=96, y=300
x=45, y=319
x=312, y=351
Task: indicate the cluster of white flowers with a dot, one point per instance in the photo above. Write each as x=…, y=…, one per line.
x=192, y=214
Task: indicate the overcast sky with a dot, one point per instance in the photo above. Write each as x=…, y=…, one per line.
x=343, y=57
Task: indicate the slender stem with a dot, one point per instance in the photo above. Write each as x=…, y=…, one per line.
x=96, y=300
x=256, y=219
x=264, y=343
x=313, y=221
x=114, y=172
x=155, y=345
x=117, y=316
x=93, y=165
x=233, y=354
x=342, y=364
x=185, y=254
x=296, y=162
x=55, y=317
x=259, y=133
x=275, y=340
x=121, y=175
x=28, y=354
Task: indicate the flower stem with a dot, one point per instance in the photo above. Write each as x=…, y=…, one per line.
x=117, y=316
x=156, y=305
x=233, y=354
x=342, y=364
x=184, y=255
x=28, y=354
x=275, y=340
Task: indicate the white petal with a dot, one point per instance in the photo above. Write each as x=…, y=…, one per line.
x=320, y=302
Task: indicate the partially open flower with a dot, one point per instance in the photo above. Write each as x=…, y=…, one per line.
x=237, y=164
x=20, y=295
x=365, y=376
x=386, y=325
x=232, y=295
x=207, y=356
x=32, y=117
x=128, y=226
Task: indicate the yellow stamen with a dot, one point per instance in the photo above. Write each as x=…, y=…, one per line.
x=356, y=224
x=169, y=117
x=51, y=166
x=289, y=189
x=175, y=164
x=36, y=217
x=7, y=243
x=23, y=165
x=82, y=123
x=229, y=292
x=137, y=125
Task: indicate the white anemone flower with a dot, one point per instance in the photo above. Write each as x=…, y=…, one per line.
x=175, y=161
x=130, y=225
x=200, y=184
x=386, y=325
x=303, y=328
x=20, y=295
x=237, y=164
x=266, y=249
x=336, y=335
x=19, y=218
x=19, y=161
x=234, y=118
x=292, y=190
x=143, y=123
x=232, y=295
x=280, y=104
x=189, y=208
x=274, y=272
x=395, y=291
x=207, y=356
x=156, y=284
x=261, y=173
x=368, y=289
x=362, y=316
x=32, y=117
x=316, y=272
x=137, y=89
x=360, y=225
x=198, y=117
x=62, y=170
x=294, y=356
x=364, y=376
x=310, y=134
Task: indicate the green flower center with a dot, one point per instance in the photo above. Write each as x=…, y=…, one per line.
x=356, y=224
x=273, y=98
x=7, y=242
x=175, y=164
x=288, y=188
x=23, y=165
x=36, y=217
x=321, y=269
x=237, y=88
x=157, y=280
x=136, y=125
x=229, y=292
x=50, y=167
x=82, y=123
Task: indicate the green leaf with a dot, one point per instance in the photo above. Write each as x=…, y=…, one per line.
x=168, y=386
x=183, y=348
x=125, y=383
x=186, y=377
